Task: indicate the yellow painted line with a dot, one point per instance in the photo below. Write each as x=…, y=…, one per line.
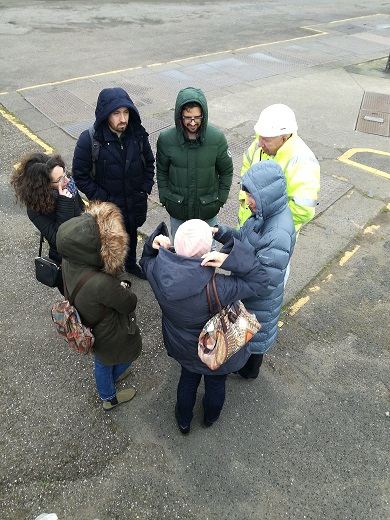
x=316, y=288
x=370, y=229
x=355, y=18
x=348, y=255
x=346, y=19
x=69, y=80
x=328, y=278
x=344, y=179
x=346, y=158
x=26, y=131
x=283, y=41
x=298, y=305
x=228, y=51
x=280, y=324
x=100, y=74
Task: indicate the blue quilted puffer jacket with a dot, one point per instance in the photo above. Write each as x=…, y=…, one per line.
x=270, y=233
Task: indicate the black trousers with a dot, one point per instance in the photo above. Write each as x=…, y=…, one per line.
x=252, y=367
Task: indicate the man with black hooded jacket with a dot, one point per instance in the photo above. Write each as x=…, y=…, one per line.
x=124, y=169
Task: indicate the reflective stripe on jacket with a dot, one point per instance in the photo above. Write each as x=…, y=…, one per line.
x=302, y=173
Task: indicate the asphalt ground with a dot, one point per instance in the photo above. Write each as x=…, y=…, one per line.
x=309, y=437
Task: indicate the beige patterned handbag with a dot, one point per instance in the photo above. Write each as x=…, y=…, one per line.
x=226, y=332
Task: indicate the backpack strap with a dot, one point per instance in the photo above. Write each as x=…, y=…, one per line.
x=79, y=284
x=95, y=147
x=140, y=141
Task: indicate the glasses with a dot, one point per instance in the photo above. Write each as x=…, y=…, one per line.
x=66, y=174
x=189, y=119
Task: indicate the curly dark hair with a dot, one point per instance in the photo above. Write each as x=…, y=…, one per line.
x=31, y=181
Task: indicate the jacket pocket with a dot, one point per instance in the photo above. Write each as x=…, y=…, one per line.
x=174, y=204
x=139, y=207
x=132, y=326
x=209, y=206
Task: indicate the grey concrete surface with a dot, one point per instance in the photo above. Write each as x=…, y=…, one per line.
x=308, y=438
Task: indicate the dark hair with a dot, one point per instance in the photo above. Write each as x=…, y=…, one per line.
x=244, y=188
x=191, y=104
x=31, y=181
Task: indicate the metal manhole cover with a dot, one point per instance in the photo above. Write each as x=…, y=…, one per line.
x=75, y=129
x=376, y=123
x=376, y=102
x=60, y=106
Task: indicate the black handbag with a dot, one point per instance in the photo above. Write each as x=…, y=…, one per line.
x=46, y=269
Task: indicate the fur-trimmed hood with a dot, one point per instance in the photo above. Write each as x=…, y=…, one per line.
x=97, y=238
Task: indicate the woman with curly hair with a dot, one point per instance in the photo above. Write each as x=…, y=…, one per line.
x=42, y=184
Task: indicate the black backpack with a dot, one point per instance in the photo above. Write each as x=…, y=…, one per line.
x=96, y=148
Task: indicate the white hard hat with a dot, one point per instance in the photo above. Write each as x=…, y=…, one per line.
x=276, y=120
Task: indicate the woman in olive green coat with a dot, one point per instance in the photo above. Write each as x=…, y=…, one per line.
x=97, y=240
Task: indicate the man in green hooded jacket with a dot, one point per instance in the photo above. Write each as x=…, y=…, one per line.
x=194, y=163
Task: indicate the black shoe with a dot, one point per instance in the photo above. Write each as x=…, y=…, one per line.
x=207, y=423
x=184, y=429
x=136, y=271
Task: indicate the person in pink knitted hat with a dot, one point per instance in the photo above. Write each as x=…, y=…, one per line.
x=193, y=238
x=178, y=277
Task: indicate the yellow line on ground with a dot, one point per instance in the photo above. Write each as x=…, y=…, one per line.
x=69, y=80
x=348, y=255
x=298, y=305
x=100, y=74
x=370, y=229
x=346, y=20
x=282, y=41
x=355, y=18
x=26, y=131
x=345, y=158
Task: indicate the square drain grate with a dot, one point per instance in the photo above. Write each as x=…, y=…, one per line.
x=374, y=115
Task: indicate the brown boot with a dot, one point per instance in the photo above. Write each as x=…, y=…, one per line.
x=121, y=397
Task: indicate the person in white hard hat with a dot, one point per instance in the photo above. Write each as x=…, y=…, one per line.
x=277, y=139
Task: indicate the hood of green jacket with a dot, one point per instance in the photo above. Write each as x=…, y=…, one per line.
x=190, y=95
x=96, y=239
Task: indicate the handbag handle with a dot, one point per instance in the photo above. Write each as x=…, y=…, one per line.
x=216, y=294
x=211, y=307
x=40, y=246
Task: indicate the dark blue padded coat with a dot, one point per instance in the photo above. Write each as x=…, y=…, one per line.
x=121, y=177
x=270, y=234
x=179, y=284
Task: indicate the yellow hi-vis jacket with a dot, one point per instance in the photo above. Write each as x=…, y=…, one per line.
x=302, y=173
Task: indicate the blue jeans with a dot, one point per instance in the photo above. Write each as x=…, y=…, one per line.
x=106, y=376
x=213, y=399
x=176, y=222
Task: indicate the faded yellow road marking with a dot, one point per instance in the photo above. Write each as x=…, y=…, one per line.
x=348, y=255
x=26, y=131
x=370, y=229
x=298, y=305
x=345, y=158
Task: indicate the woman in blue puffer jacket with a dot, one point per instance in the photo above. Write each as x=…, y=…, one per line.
x=270, y=234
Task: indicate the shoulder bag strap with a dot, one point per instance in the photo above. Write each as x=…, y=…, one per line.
x=211, y=307
x=216, y=294
x=40, y=246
